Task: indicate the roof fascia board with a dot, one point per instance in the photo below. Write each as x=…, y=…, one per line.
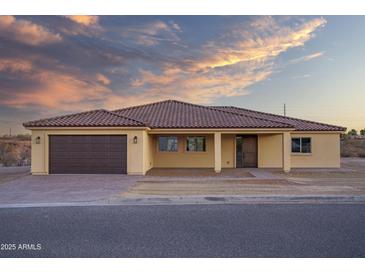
x=222, y=130
x=317, y=131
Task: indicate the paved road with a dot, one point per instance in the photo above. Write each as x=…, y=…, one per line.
x=187, y=231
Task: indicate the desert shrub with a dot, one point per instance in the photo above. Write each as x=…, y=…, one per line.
x=362, y=154
x=14, y=153
x=352, y=147
x=8, y=154
x=345, y=154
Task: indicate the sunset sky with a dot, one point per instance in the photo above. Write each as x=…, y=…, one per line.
x=52, y=65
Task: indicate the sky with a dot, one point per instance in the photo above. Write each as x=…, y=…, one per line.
x=54, y=65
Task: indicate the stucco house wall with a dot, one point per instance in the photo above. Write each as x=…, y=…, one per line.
x=137, y=156
x=228, y=150
x=270, y=150
x=145, y=154
x=325, y=151
x=183, y=158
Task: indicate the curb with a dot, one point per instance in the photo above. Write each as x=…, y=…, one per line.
x=204, y=200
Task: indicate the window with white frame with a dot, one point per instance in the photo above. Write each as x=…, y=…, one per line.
x=195, y=143
x=167, y=143
x=301, y=145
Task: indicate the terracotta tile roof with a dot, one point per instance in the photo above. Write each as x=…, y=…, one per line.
x=299, y=124
x=94, y=118
x=176, y=114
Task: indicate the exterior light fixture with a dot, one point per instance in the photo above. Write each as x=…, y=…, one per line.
x=135, y=139
x=38, y=140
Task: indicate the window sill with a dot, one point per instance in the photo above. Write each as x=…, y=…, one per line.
x=301, y=154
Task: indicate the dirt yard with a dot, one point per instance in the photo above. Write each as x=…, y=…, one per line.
x=198, y=172
x=349, y=180
x=8, y=174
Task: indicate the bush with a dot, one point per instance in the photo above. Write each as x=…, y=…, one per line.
x=8, y=155
x=345, y=154
x=14, y=153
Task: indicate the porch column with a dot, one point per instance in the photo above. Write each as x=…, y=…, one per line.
x=286, y=151
x=217, y=152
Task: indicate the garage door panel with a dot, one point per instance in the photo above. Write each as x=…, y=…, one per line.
x=77, y=154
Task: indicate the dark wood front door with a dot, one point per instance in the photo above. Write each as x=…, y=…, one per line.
x=246, y=151
x=87, y=154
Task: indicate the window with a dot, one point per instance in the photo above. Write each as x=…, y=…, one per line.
x=167, y=143
x=301, y=145
x=195, y=144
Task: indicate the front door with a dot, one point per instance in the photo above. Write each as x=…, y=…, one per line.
x=246, y=151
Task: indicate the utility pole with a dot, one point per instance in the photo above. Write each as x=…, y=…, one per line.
x=284, y=109
x=10, y=132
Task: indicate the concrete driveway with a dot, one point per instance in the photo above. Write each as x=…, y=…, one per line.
x=55, y=189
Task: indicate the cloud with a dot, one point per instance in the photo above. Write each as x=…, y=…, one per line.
x=250, y=45
x=101, y=78
x=229, y=65
x=69, y=76
x=15, y=65
x=301, y=76
x=307, y=58
x=26, y=32
x=85, y=20
x=153, y=33
x=48, y=88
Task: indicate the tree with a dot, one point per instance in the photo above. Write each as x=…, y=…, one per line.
x=362, y=132
x=352, y=132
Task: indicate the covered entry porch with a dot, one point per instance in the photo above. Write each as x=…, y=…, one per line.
x=217, y=150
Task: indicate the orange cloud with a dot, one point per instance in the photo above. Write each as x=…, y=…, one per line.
x=26, y=32
x=101, y=78
x=51, y=89
x=229, y=66
x=251, y=46
x=226, y=67
x=15, y=65
x=85, y=20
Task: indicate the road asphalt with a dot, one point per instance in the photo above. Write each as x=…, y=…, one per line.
x=245, y=230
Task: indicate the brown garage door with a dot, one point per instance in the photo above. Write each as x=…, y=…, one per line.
x=87, y=154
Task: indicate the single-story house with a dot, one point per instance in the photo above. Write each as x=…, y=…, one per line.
x=174, y=134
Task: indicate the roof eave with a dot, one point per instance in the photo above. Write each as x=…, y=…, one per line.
x=85, y=127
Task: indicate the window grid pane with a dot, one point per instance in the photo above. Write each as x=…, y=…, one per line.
x=301, y=145
x=196, y=144
x=306, y=145
x=295, y=145
x=168, y=143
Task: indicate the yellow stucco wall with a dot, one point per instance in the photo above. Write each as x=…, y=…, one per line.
x=325, y=151
x=228, y=150
x=183, y=158
x=137, y=156
x=148, y=151
x=38, y=153
x=145, y=155
x=270, y=152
